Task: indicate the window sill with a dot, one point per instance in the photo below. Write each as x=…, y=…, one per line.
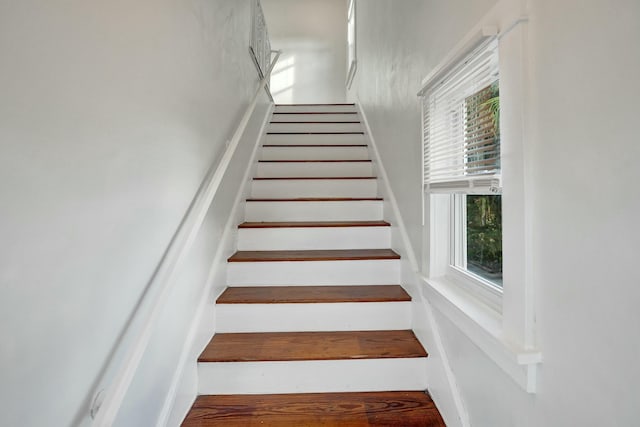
x=483, y=326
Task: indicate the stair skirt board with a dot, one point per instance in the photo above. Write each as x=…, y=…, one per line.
x=299, y=273
x=337, y=210
x=349, y=316
x=274, y=169
x=312, y=376
x=293, y=238
x=307, y=187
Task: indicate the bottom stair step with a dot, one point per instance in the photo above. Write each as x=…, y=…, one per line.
x=408, y=409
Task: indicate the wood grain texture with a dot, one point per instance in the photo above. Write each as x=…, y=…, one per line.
x=314, y=255
x=315, y=145
x=312, y=294
x=312, y=178
x=314, y=224
x=317, y=122
x=297, y=346
x=314, y=161
x=400, y=408
x=318, y=199
x=317, y=133
x=316, y=112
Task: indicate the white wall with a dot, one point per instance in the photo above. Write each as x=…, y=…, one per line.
x=313, y=37
x=583, y=68
x=110, y=114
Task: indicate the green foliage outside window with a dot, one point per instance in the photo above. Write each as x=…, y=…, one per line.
x=484, y=234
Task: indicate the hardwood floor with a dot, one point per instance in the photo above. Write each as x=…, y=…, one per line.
x=313, y=255
x=312, y=294
x=289, y=346
x=402, y=409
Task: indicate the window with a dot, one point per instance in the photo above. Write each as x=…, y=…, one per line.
x=461, y=146
x=478, y=196
x=351, y=43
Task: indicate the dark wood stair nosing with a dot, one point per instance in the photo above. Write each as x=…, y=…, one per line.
x=314, y=145
x=316, y=133
x=316, y=161
x=406, y=408
x=317, y=122
x=316, y=105
x=313, y=178
x=315, y=112
x=318, y=199
x=312, y=224
x=324, y=294
x=312, y=346
x=314, y=255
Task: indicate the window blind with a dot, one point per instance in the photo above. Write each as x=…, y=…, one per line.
x=460, y=125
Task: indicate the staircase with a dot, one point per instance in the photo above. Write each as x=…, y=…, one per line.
x=314, y=328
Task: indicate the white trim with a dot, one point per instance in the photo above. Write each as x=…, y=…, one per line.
x=483, y=326
x=116, y=377
x=226, y=240
x=407, y=251
x=508, y=338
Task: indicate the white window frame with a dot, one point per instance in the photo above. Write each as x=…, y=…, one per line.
x=352, y=46
x=450, y=268
x=502, y=326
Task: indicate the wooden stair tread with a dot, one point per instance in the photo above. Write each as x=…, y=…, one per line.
x=315, y=145
x=397, y=408
x=317, y=199
x=317, y=133
x=312, y=294
x=316, y=122
x=315, y=112
x=314, y=255
x=300, y=346
x=314, y=161
x=311, y=178
x=315, y=105
x=313, y=224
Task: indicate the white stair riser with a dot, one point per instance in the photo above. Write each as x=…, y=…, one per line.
x=315, y=139
x=338, y=117
x=291, y=273
x=358, y=316
x=309, y=238
x=312, y=376
x=367, y=210
x=315, y=108
x=274, y=170
x=314, y=127
x=281, y=188
x=315, y=153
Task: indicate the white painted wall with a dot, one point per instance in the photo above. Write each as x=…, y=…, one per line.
x=313, y=37
x=110, y=115
x=583, y=68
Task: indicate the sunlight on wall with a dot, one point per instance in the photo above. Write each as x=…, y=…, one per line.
x=283, y=78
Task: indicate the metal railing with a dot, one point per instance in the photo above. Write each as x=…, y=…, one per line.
x=260, y=45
